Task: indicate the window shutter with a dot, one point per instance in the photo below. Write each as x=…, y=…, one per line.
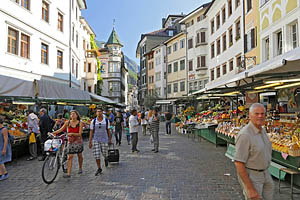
x=245, y=43
x=252, y=38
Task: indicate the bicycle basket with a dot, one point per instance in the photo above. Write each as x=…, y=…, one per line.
x=52, y=145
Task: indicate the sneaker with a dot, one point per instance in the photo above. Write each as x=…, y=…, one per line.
x=80, y=171
x=3, y=177
x=156, y=151
x=98, y=172
x=67, y=176
x=137, y=151
x=153, y=150
x=106, y=162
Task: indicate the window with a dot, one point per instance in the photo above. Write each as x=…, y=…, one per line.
x=73, y=66
x=25, y=3
x=212, y=74
x=182, y=42
x=266, y=49
x=76, y=70
x=182, y=86
x=198, y=61
x=223, y=15
x=224, y=42
x=198, y=19
x=157, y=76
x=230, y=65
x=203, y=40
x=60, y=22
x=169, y=50
x=175, y=47
x=157, y=60
x=191, y=65
x=250, y=40
x=212, y=27
x=90, y=88
x=175, y=87
x=73, y=30
x=84, y=67
x=59, y=59
x=294, y=37
x=182, y=64
x=239, y=61
x=191, y=86
x=175, y=65
x=279, y=42
x=12, y=41
x=114, y=67
x=90, y=67
x=230, y=37
x=169, y=89
x=76, y=40
x=200, y=38
x=190, y=43
x=218, y=21
x=229, y=7
x=249, y=5
x=169, y=68
x=212, y=50
x=114, y=86
x=45, y=11
x=218, y=46
x=218, y=72
x=83, y=43
x=224, y=69
x=238, y=30
x=44, y=50
x=150, y=79
x=237, y=3
x=203, y=61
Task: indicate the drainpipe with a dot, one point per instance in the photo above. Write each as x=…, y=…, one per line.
x=186, y=62
x=244, y=35
x=70, y=43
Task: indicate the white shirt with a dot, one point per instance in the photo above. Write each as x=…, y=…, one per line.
x=133, y=124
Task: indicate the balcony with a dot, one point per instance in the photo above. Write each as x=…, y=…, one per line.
x=114, y=94
x=92, y=53
x=111, y=75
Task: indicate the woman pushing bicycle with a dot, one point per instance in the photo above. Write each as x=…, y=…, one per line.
x=75, y=141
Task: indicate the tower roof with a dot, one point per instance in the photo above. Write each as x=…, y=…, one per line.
x=113, y=38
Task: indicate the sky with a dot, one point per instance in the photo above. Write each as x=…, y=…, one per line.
x=133, y=18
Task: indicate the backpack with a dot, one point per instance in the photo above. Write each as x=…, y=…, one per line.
x=94, y=124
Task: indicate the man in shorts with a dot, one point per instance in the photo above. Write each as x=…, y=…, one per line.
x=100, y=138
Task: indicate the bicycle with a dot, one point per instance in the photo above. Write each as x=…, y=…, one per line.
x=56, y=157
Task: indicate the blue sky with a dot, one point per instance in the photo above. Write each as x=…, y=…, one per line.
x=133, y=18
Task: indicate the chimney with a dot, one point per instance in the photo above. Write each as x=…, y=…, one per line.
x=162, y=22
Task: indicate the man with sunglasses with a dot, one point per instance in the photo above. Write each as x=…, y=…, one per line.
x=100, y=138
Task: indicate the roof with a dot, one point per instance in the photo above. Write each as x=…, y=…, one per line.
x=113, y=38
x=160, y=32
x=209, y=7
x=82, y=4
x=182, y=15
x=206, y=5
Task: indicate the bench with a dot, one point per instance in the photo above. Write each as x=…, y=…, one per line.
x=292, y=173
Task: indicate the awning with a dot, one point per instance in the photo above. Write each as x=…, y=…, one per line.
x=52, y=90
x=285, y=63
x=15, y=87
x=166, y=101
x=101, y=98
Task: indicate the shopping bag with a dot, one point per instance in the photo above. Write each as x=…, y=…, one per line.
x=151, y=139
x=32, y=138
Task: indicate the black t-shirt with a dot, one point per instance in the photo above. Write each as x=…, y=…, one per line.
x=119, y=121
x=168, y=116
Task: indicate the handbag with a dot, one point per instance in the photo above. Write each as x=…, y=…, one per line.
x=113, y=154
x=32, y=138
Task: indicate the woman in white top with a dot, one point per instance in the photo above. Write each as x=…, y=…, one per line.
x=144, y=123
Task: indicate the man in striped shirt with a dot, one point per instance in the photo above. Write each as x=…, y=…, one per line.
x=154, y=129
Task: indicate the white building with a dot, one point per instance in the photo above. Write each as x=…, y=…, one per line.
x=196, y=24
x=36, y=40
x=225, y=41
x=160, y=70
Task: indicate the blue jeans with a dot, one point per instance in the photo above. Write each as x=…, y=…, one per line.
x=168, y=127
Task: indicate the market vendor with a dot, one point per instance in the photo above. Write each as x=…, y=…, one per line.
x=253, y=156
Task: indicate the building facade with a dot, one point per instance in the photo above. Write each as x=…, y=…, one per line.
x=32, y=53
x=160, y=71
x=225, y=40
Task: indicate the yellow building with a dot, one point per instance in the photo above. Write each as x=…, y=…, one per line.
x=176, y=66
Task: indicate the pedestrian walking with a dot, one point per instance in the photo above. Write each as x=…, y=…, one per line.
x=154, y=130
x=169, y=118
x=33, y=130
x=119, y=127
x=100, y=138
x=253, y=156
x=75, y=142
x=127, y=132
x=133, y=128
x=5, y=147
x=46, y=124
x=144, y=123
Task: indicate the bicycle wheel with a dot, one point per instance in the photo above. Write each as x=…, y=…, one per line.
x=50, y=169
x=64, y=163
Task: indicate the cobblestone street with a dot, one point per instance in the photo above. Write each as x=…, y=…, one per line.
x=183, y=169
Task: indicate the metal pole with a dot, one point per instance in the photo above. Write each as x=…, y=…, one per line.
x=70, y=43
